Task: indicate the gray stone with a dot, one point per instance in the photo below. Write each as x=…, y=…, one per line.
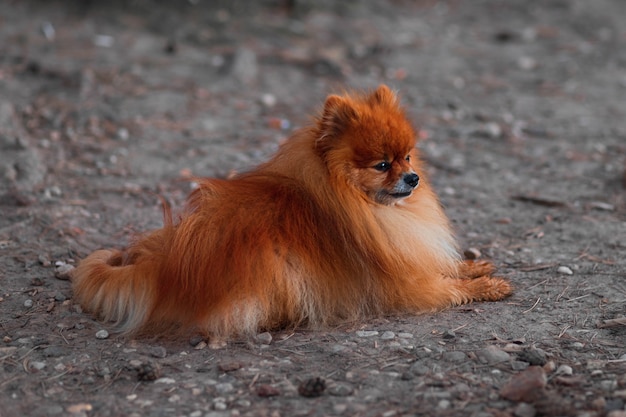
x=492, y=355
x=454, y=356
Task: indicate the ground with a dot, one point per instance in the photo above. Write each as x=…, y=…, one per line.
x=106, y=108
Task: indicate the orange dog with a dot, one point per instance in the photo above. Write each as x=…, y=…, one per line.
x=333, y=228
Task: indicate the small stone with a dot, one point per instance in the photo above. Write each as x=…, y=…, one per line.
x=268, y=100
x=79, y=408
x=313, y=387
x=564, y=370
x=224, y=387
x=266, y=390
x=527, y=63
x=519, y=365
x=472, y=253
x=229, y=366
x=54, y=352
x=264, y=338
x=419, y=368
x=158, y=352
x=533, y=356
x=340, y=390
x=608, y=385
x=564, y=270
x=525, y=386
x=28, y=303
x=37, y=366
x=448, y=335
x=123, y=134
x=492, y=355
x=524, y=410
x=200, y=345
x=164, y=380
x=44, y=260
x=366, y=333
x=454, y=356
x=388, y=335
x=102, y=334
x=63, y=271
x=219, y=404
x=194, y=340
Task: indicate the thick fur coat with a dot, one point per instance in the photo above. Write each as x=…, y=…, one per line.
x=341, y=224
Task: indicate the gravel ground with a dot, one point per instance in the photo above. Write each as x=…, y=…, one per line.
x=107, y=107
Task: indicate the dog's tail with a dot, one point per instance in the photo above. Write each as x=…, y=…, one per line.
x=115, y=288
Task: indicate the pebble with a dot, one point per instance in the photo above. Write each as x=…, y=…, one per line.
x=419, y=368
x=524, y=410
x=28, y=303
x=266, y=390
x=264, y=338
x=448, y=335
x=454, y=356
x=54, y=352
x=36, y=365
x=158, y=352
x=63, y=271
x=268, y=100
x=564, y=370
x=165, y=380
x=388, y=335
x=366, y=333
x=79, y=408
x=533, y=356
x=564, y=270
x=123, y=134
x=43, y=260
x=492, y=355
x=608, y=385
x=340, y=390
x=224, y=387
x=525, y=386
x=102, y=334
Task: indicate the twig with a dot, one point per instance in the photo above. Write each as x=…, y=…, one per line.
x=613, y=323
x=534, y=305
x=578, y=298
x=254, y=379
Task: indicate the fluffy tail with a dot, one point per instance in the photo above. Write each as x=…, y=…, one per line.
x=108, y=284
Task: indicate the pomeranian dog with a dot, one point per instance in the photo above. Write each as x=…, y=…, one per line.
x=340, y=225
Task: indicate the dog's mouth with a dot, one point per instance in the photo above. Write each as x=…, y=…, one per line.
x=401, y=195
x=387, y=198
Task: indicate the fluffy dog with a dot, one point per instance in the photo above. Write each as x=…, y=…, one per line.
x=339, y=225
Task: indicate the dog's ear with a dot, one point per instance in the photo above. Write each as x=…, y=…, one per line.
x=338, y=114
x=384, y=96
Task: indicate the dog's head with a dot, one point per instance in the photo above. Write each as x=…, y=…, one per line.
x=368, y=141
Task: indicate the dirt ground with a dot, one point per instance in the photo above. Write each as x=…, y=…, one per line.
x=105, y=107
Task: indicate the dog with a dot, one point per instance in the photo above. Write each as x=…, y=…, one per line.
x=340, y=225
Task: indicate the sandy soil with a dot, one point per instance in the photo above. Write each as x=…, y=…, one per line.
x=106, y=107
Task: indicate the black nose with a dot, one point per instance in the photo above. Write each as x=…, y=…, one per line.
x=412, y=179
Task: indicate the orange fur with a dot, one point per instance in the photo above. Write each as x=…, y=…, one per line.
x=330, y=229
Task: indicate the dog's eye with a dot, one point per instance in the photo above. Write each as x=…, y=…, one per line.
x=383, y=166
x=408, y=158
